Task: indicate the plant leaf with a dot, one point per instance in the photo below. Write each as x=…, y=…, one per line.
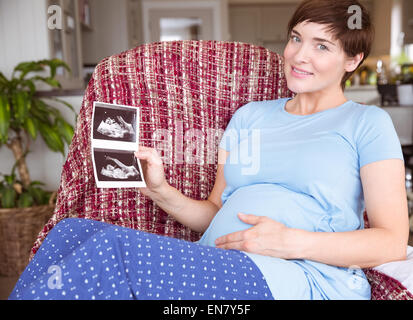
x=31, y=127
x=8, y=198
x=4, y=118
x=54, y=64
x=25, y=200
x=50, y=81
x=21, y=106
x=53, y=82
x=51, y=137
x=10, y=179
x=38, y=195
x=64, y=102
x=37, y=183
x=65, y=130
x=40, y=112
x=3, y=79
x=29, y=83
x=26, y=67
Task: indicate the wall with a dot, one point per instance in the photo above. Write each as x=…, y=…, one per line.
x=110, y=33
x=23, y=32
x=382, y=22
x=261, y=24
x=408, y=20
x=219, y=8
x=135, y=27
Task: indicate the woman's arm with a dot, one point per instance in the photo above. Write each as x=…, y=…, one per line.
x=196, y=214
x=385, y=240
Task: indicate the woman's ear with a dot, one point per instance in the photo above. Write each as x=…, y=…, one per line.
x=352, y=63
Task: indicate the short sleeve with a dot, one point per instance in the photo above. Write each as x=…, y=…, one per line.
x=230, y=138
x=377, y=139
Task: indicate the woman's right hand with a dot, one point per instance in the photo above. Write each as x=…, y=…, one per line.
x=153, y=170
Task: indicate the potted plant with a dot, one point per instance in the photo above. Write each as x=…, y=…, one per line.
x=24, y=204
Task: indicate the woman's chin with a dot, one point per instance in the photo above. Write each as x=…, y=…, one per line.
x=297, y=89
x=300, y=87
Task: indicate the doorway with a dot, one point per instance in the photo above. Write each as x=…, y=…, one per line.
x=182, y=20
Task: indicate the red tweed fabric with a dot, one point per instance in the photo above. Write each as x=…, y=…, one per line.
x=181, y=87
x=384, y=287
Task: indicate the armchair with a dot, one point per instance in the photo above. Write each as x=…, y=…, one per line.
x=180, y=86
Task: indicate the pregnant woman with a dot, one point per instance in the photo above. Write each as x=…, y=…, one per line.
x=293, y=229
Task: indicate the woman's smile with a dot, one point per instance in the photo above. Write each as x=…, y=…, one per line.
x=299, y=73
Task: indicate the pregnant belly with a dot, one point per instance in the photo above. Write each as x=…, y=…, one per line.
x=293, y=209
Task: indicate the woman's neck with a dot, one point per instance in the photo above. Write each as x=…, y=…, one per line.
x=309, y=103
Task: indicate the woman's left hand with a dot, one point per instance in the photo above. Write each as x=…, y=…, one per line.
x=267, y=237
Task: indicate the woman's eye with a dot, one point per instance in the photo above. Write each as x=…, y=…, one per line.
x=322, y=47
x=295, y=38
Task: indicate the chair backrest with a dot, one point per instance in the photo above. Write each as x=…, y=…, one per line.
x=181, y=87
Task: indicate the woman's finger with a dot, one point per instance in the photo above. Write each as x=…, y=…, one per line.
x=151, y=157
x=231, y=237
x=144, y=148
x=239, y=245
x=145, y=155
x=249, y=218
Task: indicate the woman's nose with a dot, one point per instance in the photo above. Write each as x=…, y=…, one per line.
x=302, y=55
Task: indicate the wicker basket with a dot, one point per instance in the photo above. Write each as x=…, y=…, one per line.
x=19, y=228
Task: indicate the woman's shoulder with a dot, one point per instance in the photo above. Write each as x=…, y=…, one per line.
x=372, y=121
x=364, y=106
x=369, y=112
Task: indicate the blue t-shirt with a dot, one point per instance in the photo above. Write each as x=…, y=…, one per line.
x=302, y=171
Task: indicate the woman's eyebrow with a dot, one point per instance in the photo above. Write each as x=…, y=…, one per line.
x=314, y=39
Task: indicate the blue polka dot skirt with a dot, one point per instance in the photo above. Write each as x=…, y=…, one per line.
x=85, y=259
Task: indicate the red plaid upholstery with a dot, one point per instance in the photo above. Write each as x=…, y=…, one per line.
x=179, y=86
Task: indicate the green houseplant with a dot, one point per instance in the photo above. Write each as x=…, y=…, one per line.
x=24, y=117
x=24, y=204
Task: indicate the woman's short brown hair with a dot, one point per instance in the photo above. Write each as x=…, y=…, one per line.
x=336, y=16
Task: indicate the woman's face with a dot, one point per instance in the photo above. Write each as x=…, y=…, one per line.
x=314, y=61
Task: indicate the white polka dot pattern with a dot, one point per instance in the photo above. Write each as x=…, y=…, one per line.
x=85, y=259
